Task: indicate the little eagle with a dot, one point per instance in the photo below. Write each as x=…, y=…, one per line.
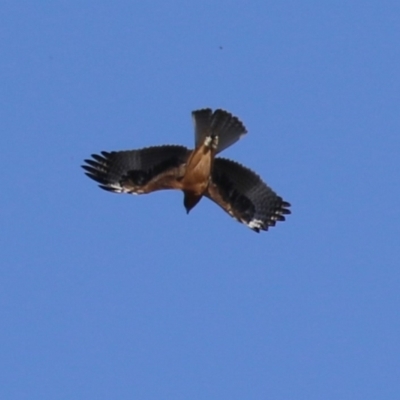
x=198, y=172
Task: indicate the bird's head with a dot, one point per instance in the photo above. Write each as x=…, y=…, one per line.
x=189, y=201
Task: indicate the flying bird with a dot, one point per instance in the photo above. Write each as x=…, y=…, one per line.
x=198, y=172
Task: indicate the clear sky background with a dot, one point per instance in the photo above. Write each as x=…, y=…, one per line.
x=106, y=296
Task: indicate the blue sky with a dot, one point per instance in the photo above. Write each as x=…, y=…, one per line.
x=107, y=296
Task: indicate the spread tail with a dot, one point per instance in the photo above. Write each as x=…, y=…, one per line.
x=227, y=127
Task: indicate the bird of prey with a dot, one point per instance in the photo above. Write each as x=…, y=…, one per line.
x=198, y=172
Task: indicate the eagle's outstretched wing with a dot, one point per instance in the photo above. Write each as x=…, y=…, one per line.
x=221, y=123
x=138, y=171
x=244, y=196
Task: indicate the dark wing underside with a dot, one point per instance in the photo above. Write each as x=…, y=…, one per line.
x=138, y=171
x=244, y=196
x=223, y=124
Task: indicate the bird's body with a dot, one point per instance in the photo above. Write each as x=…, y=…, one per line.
x=198, y=172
